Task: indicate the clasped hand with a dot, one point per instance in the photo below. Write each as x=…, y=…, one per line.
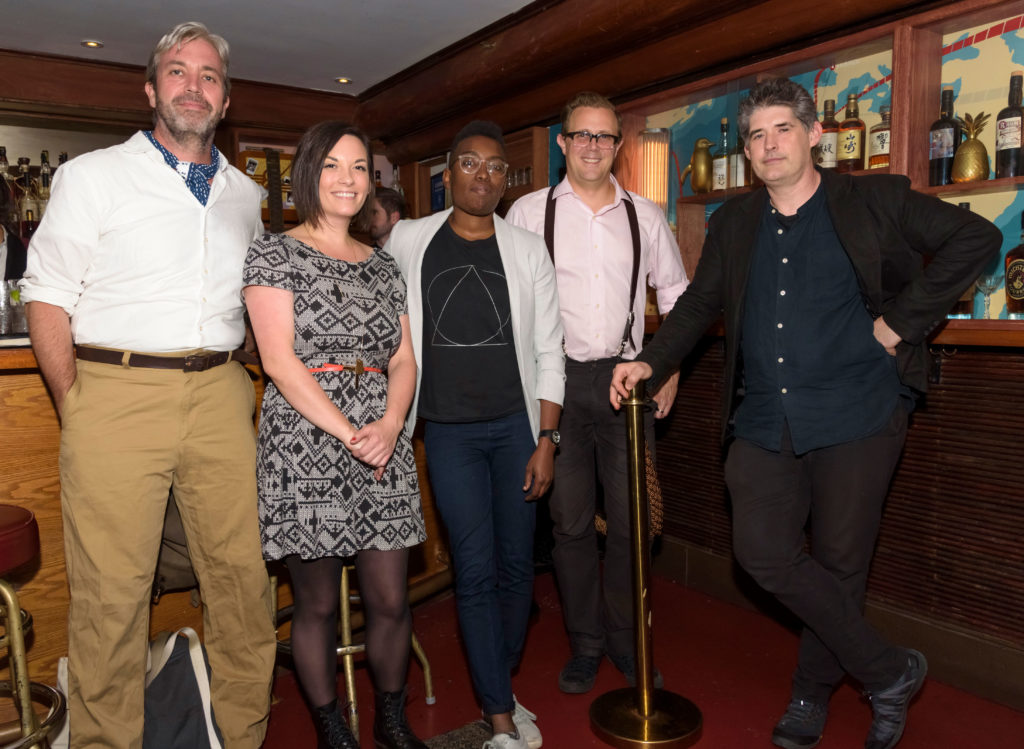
x=374, y=444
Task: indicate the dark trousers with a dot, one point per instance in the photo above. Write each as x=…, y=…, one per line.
x=476, y=471
x=843, y=489
x=598, y=611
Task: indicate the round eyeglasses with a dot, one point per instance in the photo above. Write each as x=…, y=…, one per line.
x=470, y=163
x=583, y=138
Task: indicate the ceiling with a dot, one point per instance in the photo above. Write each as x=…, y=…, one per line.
x=301, y=43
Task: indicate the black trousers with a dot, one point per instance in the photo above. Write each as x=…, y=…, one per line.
x=598, y=610
x=843, y=489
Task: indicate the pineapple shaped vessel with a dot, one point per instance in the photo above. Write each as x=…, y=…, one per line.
x=971, y=161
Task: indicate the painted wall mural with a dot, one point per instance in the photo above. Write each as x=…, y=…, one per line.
x=977, y=62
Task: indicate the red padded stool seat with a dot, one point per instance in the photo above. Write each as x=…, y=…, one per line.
x=19, y=545
x=19, y=537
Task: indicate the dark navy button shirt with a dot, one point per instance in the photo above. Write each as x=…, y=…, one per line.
x=810, y=358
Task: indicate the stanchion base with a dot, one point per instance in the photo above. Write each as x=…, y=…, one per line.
x=674, y=720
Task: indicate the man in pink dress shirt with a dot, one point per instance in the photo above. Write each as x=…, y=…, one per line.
x=595, y=254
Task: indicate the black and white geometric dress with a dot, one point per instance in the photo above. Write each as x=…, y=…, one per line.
x=315, y=498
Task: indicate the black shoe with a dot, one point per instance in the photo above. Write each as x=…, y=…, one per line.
x=579, y=674
x=390, y=728
x=331, y=729
x=889, y=705
x=627, y=665
x=802, y=725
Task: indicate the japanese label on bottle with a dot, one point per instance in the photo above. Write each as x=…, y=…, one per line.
x=721, y=174
x=850, y=144
x=1015, y=280
x=827, y=150
x=940, y=143
x=1008, y=133
x=878, y=143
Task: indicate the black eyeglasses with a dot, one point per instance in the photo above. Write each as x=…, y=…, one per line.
x=583, y=138
x=470, y=163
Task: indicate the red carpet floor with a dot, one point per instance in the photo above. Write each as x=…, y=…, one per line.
x=733, y=663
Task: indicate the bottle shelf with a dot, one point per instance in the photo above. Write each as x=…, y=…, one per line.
x=1000, y=333
x=980, y=187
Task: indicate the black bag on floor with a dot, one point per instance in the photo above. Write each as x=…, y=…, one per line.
x=174, y=566
x=178, y=710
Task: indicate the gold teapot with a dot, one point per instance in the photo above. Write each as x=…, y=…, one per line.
x=699, y=168
x=971, y=161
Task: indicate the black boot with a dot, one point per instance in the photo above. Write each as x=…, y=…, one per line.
x=390, y=729
x=331, y=729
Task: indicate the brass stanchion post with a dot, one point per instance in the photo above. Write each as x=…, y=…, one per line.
x=642, y=716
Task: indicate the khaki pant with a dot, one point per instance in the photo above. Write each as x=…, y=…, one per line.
x=128, y=434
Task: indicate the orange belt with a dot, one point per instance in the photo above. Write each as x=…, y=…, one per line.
x=358, y=368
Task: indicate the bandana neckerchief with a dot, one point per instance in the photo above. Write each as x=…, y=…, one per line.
x=197, y=176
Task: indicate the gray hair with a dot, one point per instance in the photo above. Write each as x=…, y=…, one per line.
x=181, y=35
x=777, y=92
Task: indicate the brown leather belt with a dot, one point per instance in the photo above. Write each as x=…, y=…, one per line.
x=193, y=363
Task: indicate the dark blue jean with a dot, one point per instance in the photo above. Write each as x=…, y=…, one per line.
x=476, y=472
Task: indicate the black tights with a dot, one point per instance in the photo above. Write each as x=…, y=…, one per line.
x=316, y=587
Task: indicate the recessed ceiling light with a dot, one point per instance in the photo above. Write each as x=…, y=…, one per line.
x=92, y=43
x=342, y=79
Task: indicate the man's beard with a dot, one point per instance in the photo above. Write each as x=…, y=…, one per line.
x=183, y=128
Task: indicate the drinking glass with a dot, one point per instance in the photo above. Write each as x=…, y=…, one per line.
x=988, y=284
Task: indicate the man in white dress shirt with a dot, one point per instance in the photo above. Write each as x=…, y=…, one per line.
x=136, y=272
x=606, y=244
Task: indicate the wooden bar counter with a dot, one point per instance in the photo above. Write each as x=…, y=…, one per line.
x=29, y=446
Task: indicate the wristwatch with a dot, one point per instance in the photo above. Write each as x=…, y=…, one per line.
x=551, y=434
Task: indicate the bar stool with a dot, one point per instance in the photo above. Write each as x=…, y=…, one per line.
x=19, y=545
x=346, y=649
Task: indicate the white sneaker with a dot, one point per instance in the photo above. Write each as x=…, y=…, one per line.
x=524, y=721
x=506, y=741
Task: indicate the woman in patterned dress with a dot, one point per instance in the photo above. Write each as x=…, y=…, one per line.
x=336, y=471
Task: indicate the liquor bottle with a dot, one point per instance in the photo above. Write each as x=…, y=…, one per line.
x=738, y=166
x=1008, y=132
x=25, y=193
x=850, y=156
x=376, y=179
x=4, y=166
x=943, y=138
x=828, y=144
x=1015, y=278
x=878, y=141
x=28, y=226
x=24, y=178
x=963, y=308
x=62, y=159
x=396, y=183
x=720, y=160
x=45, y=173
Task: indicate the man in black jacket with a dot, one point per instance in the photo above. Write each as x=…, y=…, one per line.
x=826, y=304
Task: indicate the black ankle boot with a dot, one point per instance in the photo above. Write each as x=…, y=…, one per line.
x=390, y=729
x=331, y=729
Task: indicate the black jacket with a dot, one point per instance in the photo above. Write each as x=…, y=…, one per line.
x=886, y=229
